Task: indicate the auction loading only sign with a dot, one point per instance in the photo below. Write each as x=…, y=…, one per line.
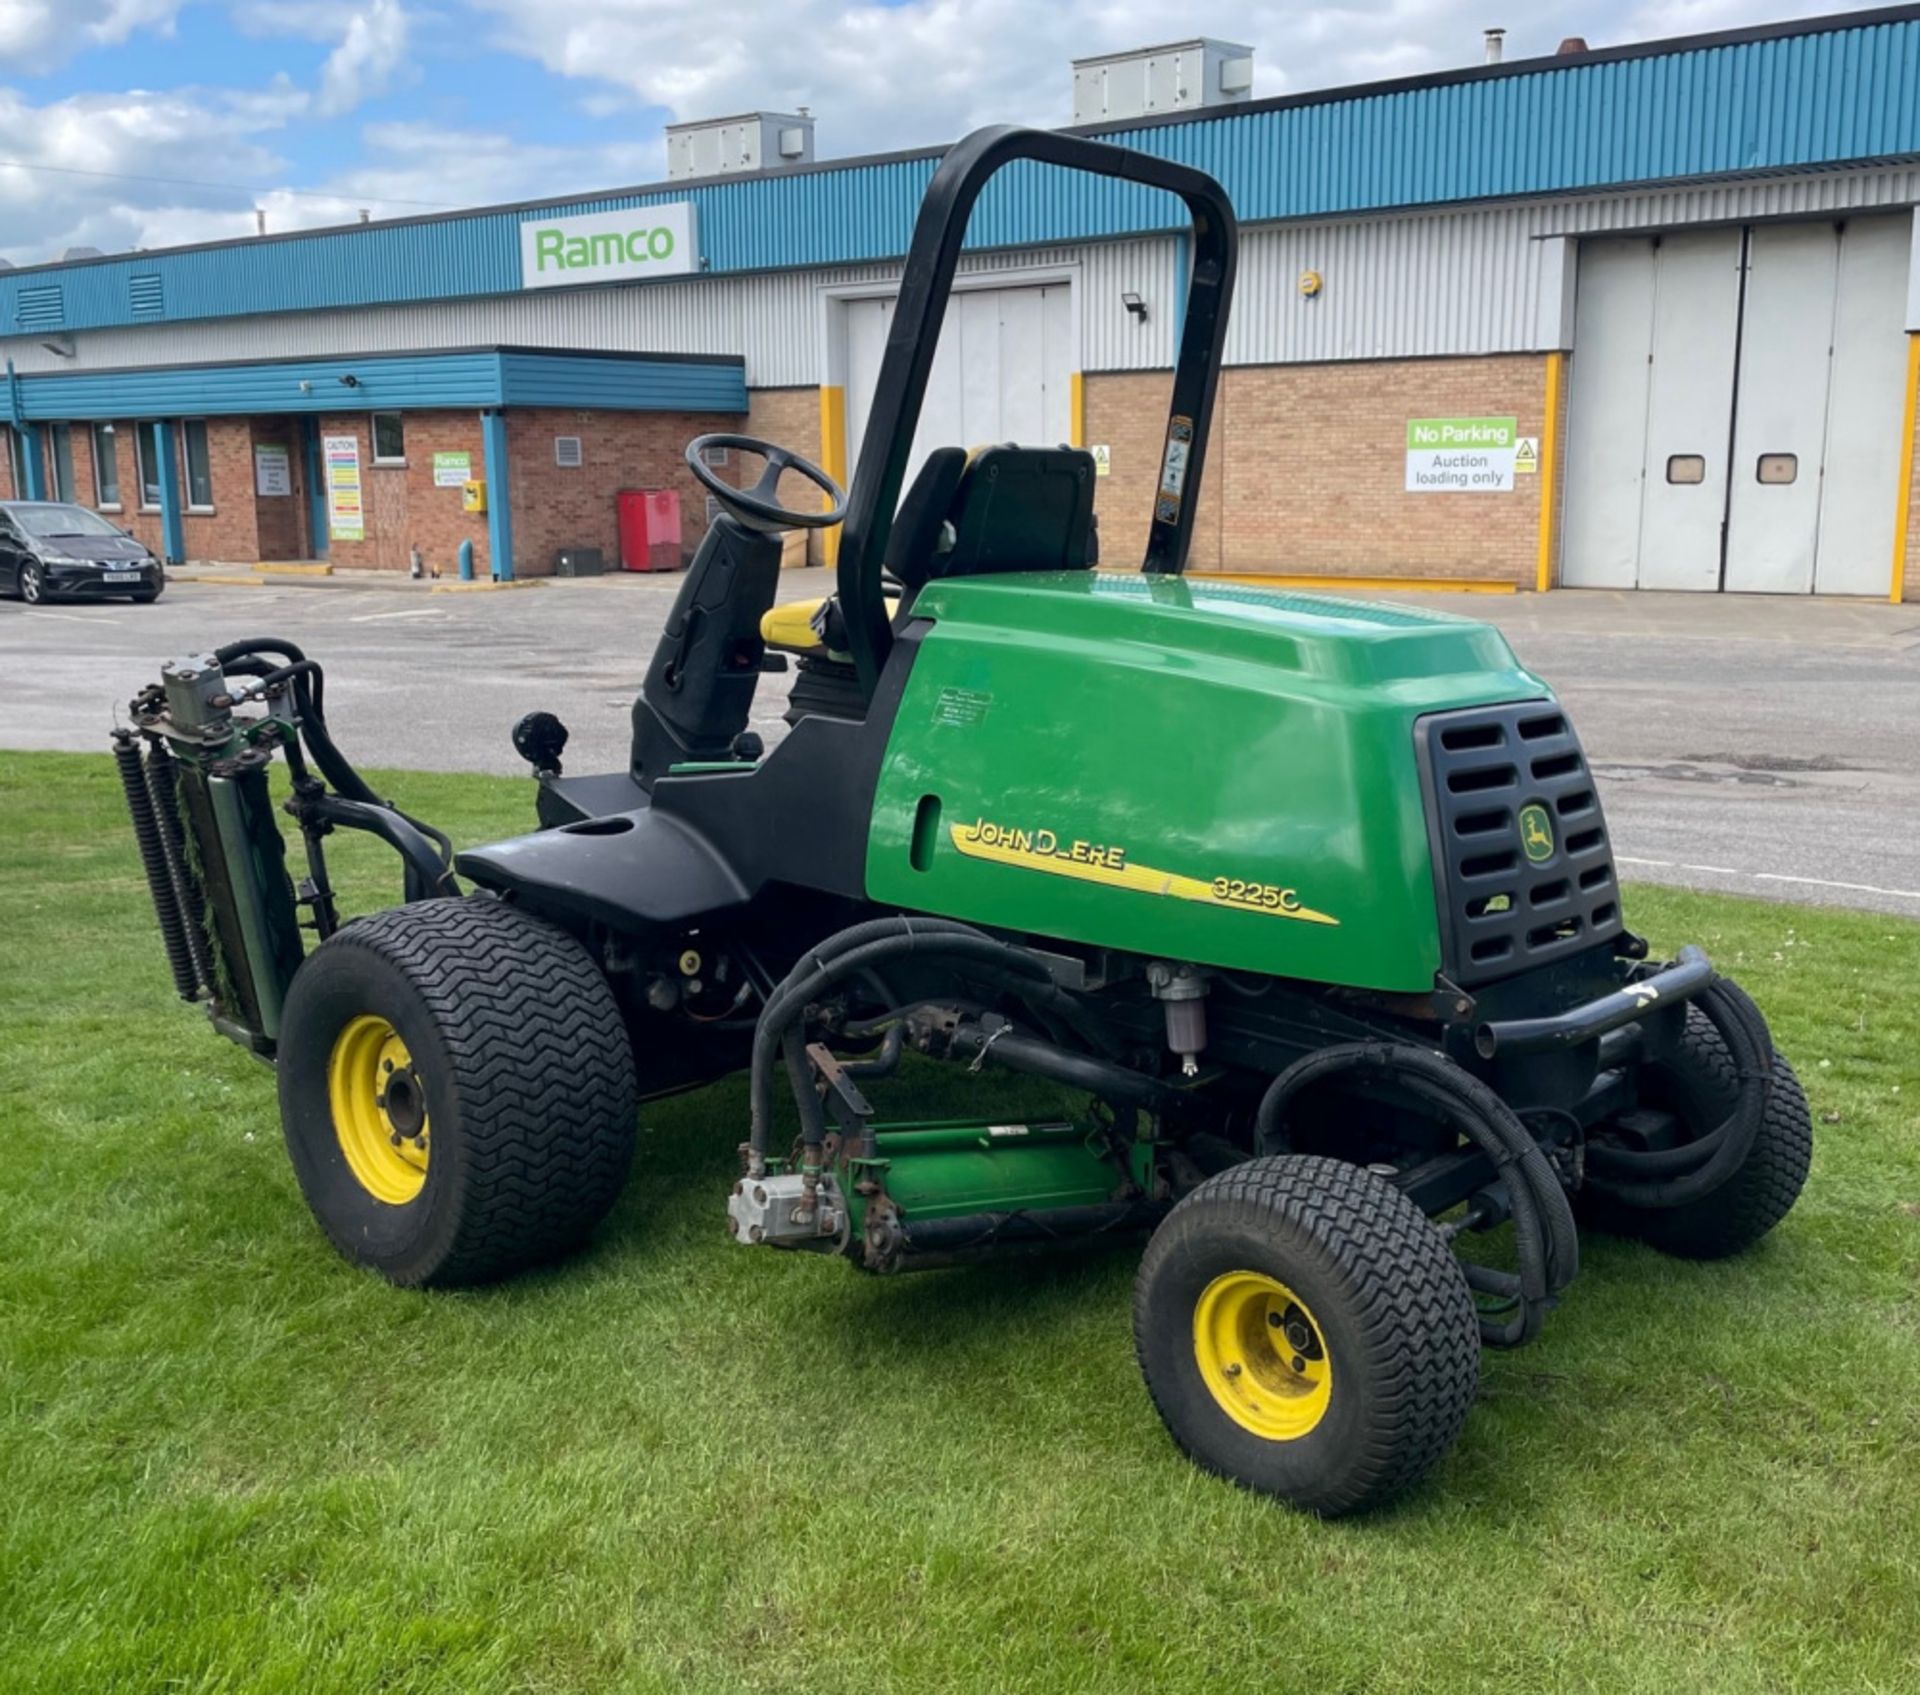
x=1461, y=455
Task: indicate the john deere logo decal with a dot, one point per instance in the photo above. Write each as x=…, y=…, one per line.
x=1536, y=833
x=1108, y=863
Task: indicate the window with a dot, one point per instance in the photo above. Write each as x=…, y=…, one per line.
x=389, y=439
x=149, y=467
x=199, y=466
x=106, y=467
x=1686, y=468
x=1777, y=468
x=63, y=462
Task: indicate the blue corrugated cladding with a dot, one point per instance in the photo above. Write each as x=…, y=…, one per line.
x=479, y=379
x=627, y=385
x=1825, y=97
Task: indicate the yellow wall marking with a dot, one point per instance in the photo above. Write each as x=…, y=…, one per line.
x=1076, y=410
x=833, y=458
x=1549, y=467
x=1108, y=865
x=1897, y=592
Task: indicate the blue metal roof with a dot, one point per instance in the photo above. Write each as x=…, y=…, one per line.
x=473, y=377
x=1821, y=92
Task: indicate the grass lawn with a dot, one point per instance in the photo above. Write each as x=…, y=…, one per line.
x=229, y=1462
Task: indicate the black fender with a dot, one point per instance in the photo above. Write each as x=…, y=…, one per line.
x=627, y=869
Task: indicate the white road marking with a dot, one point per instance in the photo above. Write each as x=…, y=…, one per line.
x=72, y=617
x=407, y=612
x=1772, y=877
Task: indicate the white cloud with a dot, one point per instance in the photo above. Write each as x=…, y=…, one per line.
x=371, y=51
x=99, y=141
x=36, y=34
x=895, y=75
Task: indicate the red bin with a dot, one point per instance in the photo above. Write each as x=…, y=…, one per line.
x=649, y=529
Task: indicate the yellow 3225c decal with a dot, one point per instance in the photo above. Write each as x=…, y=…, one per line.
x=1108, y=865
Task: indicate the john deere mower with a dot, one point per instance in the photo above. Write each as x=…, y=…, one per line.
x=1299, y=914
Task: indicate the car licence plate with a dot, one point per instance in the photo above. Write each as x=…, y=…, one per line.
x=119, y=576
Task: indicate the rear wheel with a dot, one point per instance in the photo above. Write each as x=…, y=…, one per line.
x=457, y=1091
x=1699, y=1086
x=1305, y=1331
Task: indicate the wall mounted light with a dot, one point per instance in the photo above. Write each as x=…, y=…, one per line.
x=1310, y=284
x=349, y=381
x=1135, y=305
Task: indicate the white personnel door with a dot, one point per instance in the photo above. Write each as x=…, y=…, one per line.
x=1003, y=370
x=1734, y=416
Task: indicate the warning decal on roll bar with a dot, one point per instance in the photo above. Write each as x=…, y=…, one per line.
x=1173, y=469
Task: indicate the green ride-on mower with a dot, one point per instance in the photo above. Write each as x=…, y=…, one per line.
x=1300, y=913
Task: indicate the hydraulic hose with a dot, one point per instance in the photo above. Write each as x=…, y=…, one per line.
x=850, y=951
x=857, y=950
x=1672, y=1177
x=1546, y=1239
x=308, y=682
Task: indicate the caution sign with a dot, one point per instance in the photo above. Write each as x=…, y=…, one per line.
x=1102, y=460
x=1526, y=456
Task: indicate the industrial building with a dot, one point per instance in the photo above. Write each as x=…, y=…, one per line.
x=1639, y=317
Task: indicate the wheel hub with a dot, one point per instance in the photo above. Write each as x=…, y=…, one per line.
x=1261, y=1356
x=379, y=1107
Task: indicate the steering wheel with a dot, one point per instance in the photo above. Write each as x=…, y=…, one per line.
x=755, y=507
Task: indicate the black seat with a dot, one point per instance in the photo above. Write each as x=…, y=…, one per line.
x=1021, y=509
x=914, y=544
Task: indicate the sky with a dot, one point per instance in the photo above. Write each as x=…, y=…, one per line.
x=146, y=123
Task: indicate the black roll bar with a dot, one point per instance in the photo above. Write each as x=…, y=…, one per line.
x=924, y=290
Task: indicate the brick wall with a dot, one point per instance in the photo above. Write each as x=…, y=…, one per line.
x=556, y=507
x=1911, y=581
x=229, y=533
x=790, y=418
x=1307, y=463
x=401, y=508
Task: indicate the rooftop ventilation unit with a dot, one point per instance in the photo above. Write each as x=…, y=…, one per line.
x=1182, y=76
x=81, y=253
x=754, y=141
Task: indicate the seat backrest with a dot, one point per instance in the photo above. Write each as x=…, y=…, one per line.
x=1022, y=509
x=915, y=537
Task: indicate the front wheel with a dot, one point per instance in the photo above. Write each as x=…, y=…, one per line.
x=33, y=585
x=457, y=1091
x=1305, y=1331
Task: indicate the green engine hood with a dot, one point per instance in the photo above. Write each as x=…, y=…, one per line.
x=1206, y=771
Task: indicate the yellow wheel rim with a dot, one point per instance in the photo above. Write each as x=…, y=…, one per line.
x=1263, y=1355
x=379, y=1108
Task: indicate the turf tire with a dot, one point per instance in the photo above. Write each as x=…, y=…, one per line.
x=1701, y=1085
x=529, y=1082
x=1396, y=1314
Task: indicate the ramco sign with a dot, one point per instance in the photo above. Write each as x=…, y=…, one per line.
x=648, y=241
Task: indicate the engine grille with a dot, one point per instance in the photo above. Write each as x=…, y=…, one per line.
x=1522, y=866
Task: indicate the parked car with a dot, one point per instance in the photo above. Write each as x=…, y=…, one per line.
x=52, y=550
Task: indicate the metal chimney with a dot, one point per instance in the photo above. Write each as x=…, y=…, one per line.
x=1496, y=40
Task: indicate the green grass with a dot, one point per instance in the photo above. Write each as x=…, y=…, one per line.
x=230, y=1462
